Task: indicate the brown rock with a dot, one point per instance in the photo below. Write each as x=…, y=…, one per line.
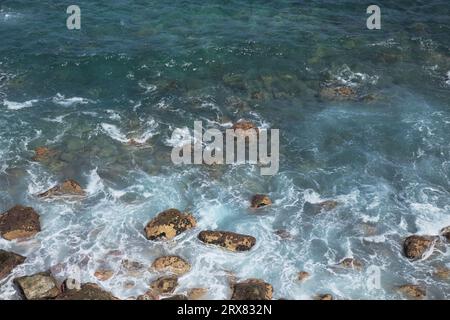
x=176, y=297
x=132, y=268
x=244, y=125
x=416, y=246
x=339, y=93
x=260, y=200
x=283, y=234
x=68, y=188
x=445, y=232
x=197, y=293
x=302, y=276
x=19, y=222
x=351, y=263
x=168, y=224
x=413, y=291
x=315, y=208
x=39, y=286
x=172, y=264
x=103, y=275
x=88, y=291
x=149, y=295
x=164, y=285
x=326, y=296
x=442, y=273
x=43, y=154
x=8, y=261
x=252, y=289
x=228, y=240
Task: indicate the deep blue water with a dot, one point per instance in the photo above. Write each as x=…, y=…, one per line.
x=141, y=69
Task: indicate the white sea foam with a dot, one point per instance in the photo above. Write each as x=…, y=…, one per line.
x=11, y=105
x=69, y=102
x=114, y=132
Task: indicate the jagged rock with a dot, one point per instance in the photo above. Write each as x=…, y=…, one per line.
x=413, y=291
x=445, y=232
x=68, y=188
x=43, y=154
x=103, y=275
x=197, y=293
x=19, y=222
x=173, y=264
x=315, y=208
x=351, y=263
x=302, y=276
x=176, y=297
x=260, y=200
x=88, y=291
x=164, y=285
x=339, y=93
x=39, y=286
x=8, y=261
x=228, y=240
x=252, y=289
x=168, y=224
x=415, y=247
x=326, y=296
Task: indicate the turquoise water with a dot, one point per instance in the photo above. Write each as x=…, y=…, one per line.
x=141, y=69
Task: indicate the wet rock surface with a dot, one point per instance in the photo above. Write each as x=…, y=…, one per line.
x=350, y=263
x=252, y=289
x=8, y=261
x=302, y=276
x=39, y=286
x=260, y=200
x=415, y=246
x=168, y=224
x=228, y=240
x=316, y=208
x=88, y=291
x=19, y=222
x=172, y=264
x=445, y=232
x=164, y=285
x=412, y=291
x=68, y=188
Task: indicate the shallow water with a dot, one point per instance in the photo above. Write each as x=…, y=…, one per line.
x=141, y=69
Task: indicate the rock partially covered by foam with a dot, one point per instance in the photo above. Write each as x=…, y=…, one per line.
x=415, y=246
x=68, y=188
x=228, y=240
x=252, y=289
x=19, y=222
x=168, y=224
x=8, y=261
x=43, y=154
x=325, y=206
x=260, y=200
x=39, y=286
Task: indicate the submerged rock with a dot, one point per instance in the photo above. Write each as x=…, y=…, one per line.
x=351, y=263
x=415, y=247
x=252, y=289
x=197, y=293
x=8, y=261
x=244, y=125
x=132, y=268
x=103, y=275
x=326, y=296
x=66, y=189
x=445, y=232
x=228, y=240
x=164, y=285
x=88, y=291
x=442, y=273
x=168, y=224
x=39, y=286
x=302, y=276
x=42, y=154
x=315, y=208
x=260, y=200
x=172, y=264
x=283, y=234
x=339, y=93
x=413, y=291
x=19, y=222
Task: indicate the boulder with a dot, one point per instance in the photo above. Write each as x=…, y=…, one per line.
x=69, y=188
x=172, y=264
x=88, y=291
x=326, y=296
x=197, y=293
x=415, y=247
x=70, y=284
x=39, y=286
x=412, y=291
x=8, y=261
x=315, y=208
x=302, y=276
x=260, y=200
x=168, y=224
x=350, y=263
x=42, y=154
x=244, y=125
x=445, y=232
x=252, y=289
x=228, y=240
x=19, y=222
x=164, y=285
